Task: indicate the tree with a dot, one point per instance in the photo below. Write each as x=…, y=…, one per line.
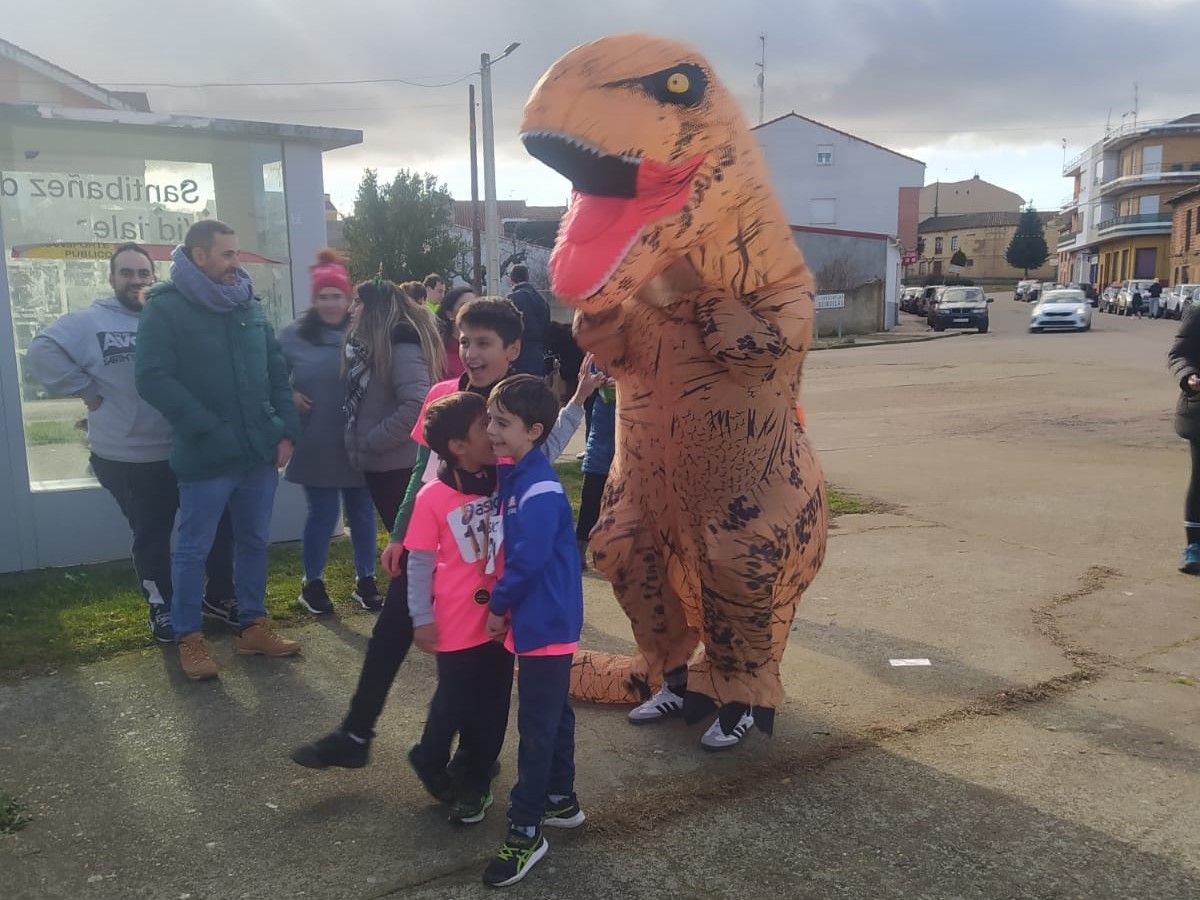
x=403, y=227
x=959, y=258
x=1027, y=250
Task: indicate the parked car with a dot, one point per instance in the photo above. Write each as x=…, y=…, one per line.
x=1065, y=308
x=1125, y=297
x=1179, y=299
x=1089, y=291
x=1108, y=300
x=1023, y=289
x=1035, y=292
x=960, y=307
x=909, y=298
x=927, y=299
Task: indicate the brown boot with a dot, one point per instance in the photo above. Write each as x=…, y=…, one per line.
x=260, y=638
x=195, y=658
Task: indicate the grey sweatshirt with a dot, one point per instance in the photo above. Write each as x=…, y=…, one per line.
x=89, y=354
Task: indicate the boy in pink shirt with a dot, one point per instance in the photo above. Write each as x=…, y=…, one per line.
x=454, y=561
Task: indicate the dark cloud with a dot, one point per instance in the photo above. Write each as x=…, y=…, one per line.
x=909, y=73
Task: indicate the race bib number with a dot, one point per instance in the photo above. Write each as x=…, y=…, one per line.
x=478, y=529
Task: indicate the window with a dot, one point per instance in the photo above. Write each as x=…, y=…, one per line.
x=937, y=246
x=824, y=154
x=921, y=267
x=822, y=212
x=1187, y=235
x=953, y=244
x=87, y=189
x=1148, y=206
x=1152, y=160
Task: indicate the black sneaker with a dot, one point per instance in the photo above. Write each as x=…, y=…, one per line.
x=470, y=807
x=160, y=623
x=222, y=610
x=367, y=594
x=335, y=749
x=516, y=856
x=566, y=814
x=439, y=785
x=314, y=598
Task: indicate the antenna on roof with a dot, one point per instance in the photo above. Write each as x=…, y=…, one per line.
x=762, y=77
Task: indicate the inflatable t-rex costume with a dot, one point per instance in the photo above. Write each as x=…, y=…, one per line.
x=692, y=293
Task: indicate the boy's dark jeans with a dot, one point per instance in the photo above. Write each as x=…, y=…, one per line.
x=148, y=496
x=546, y=722
x=474, y=690
x=389, y=644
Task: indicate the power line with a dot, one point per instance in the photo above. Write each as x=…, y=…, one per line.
x=331, y=83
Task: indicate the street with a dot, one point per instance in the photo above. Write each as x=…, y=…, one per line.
x=1026, y=525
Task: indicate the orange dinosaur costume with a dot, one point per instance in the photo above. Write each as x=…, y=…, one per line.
x=693, y=295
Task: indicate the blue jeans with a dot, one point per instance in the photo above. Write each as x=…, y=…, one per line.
x=251, y=499
x=546, y=723
x=323, y=510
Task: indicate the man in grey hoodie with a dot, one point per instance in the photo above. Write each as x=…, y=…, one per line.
x=89, y=354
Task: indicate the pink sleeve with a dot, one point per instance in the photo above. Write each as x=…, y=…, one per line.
x=422, y=531
x=439, y=390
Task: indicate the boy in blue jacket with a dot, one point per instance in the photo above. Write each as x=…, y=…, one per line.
x=537, y=609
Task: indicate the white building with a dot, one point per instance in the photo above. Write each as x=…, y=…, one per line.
x=852, y=204
x=83, y=169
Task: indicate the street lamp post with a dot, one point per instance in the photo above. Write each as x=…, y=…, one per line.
x=491, y=215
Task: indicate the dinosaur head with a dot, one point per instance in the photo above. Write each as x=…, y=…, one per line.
x=659, y=157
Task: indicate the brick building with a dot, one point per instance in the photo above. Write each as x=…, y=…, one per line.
x=1185, y=236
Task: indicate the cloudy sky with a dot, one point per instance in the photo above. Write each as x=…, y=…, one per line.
x=968, y=87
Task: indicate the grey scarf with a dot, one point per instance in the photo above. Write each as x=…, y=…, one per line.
x=203, y=291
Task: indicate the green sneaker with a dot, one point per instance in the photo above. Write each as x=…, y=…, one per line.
x=516, y=856
x=470, y=807
x=565, y=814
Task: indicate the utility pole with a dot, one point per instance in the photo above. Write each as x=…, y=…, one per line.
x=476, y=248
x=762, y=77
x=491, y=214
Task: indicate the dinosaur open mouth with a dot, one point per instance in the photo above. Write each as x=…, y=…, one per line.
x=614, y=198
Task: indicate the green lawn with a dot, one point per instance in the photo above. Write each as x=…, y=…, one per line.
x=57, y=617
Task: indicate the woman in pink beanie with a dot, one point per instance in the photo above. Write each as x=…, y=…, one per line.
x=313, y=348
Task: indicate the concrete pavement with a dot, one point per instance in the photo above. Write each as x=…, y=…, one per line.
x=1026, y=545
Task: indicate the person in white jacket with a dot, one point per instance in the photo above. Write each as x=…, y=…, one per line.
x=89, y=354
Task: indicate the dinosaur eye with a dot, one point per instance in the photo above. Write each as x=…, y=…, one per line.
x=684, y=84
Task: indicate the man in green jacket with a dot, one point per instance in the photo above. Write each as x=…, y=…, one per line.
x=207, y=359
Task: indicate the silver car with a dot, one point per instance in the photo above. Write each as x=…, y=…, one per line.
x=1065, y=309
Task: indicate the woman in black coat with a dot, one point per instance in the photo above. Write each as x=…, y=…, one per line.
x=1184, y=359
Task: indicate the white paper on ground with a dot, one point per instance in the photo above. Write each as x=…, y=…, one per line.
x=910, y=662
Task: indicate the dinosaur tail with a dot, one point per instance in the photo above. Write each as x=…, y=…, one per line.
x=598, y=677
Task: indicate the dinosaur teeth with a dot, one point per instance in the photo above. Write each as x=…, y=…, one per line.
x=580, y=144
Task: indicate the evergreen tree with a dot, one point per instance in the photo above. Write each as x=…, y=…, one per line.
x=1028, y=249
x=403, y=227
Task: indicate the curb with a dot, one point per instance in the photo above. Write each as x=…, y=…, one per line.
x=915, y=339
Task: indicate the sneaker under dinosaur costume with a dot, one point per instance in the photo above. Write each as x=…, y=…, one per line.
x=691, y=292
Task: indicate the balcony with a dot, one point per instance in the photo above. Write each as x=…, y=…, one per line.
x=1069, y=202
x=1067, y=242
x=1125, y=133
x=1156, y=173
x=1145, y=223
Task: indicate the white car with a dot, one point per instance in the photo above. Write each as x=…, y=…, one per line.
x=1128, y=289
x=1179, y=299
x=1066, y=309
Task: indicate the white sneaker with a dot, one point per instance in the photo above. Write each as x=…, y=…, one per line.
x=716, y=738
x=663, y=704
